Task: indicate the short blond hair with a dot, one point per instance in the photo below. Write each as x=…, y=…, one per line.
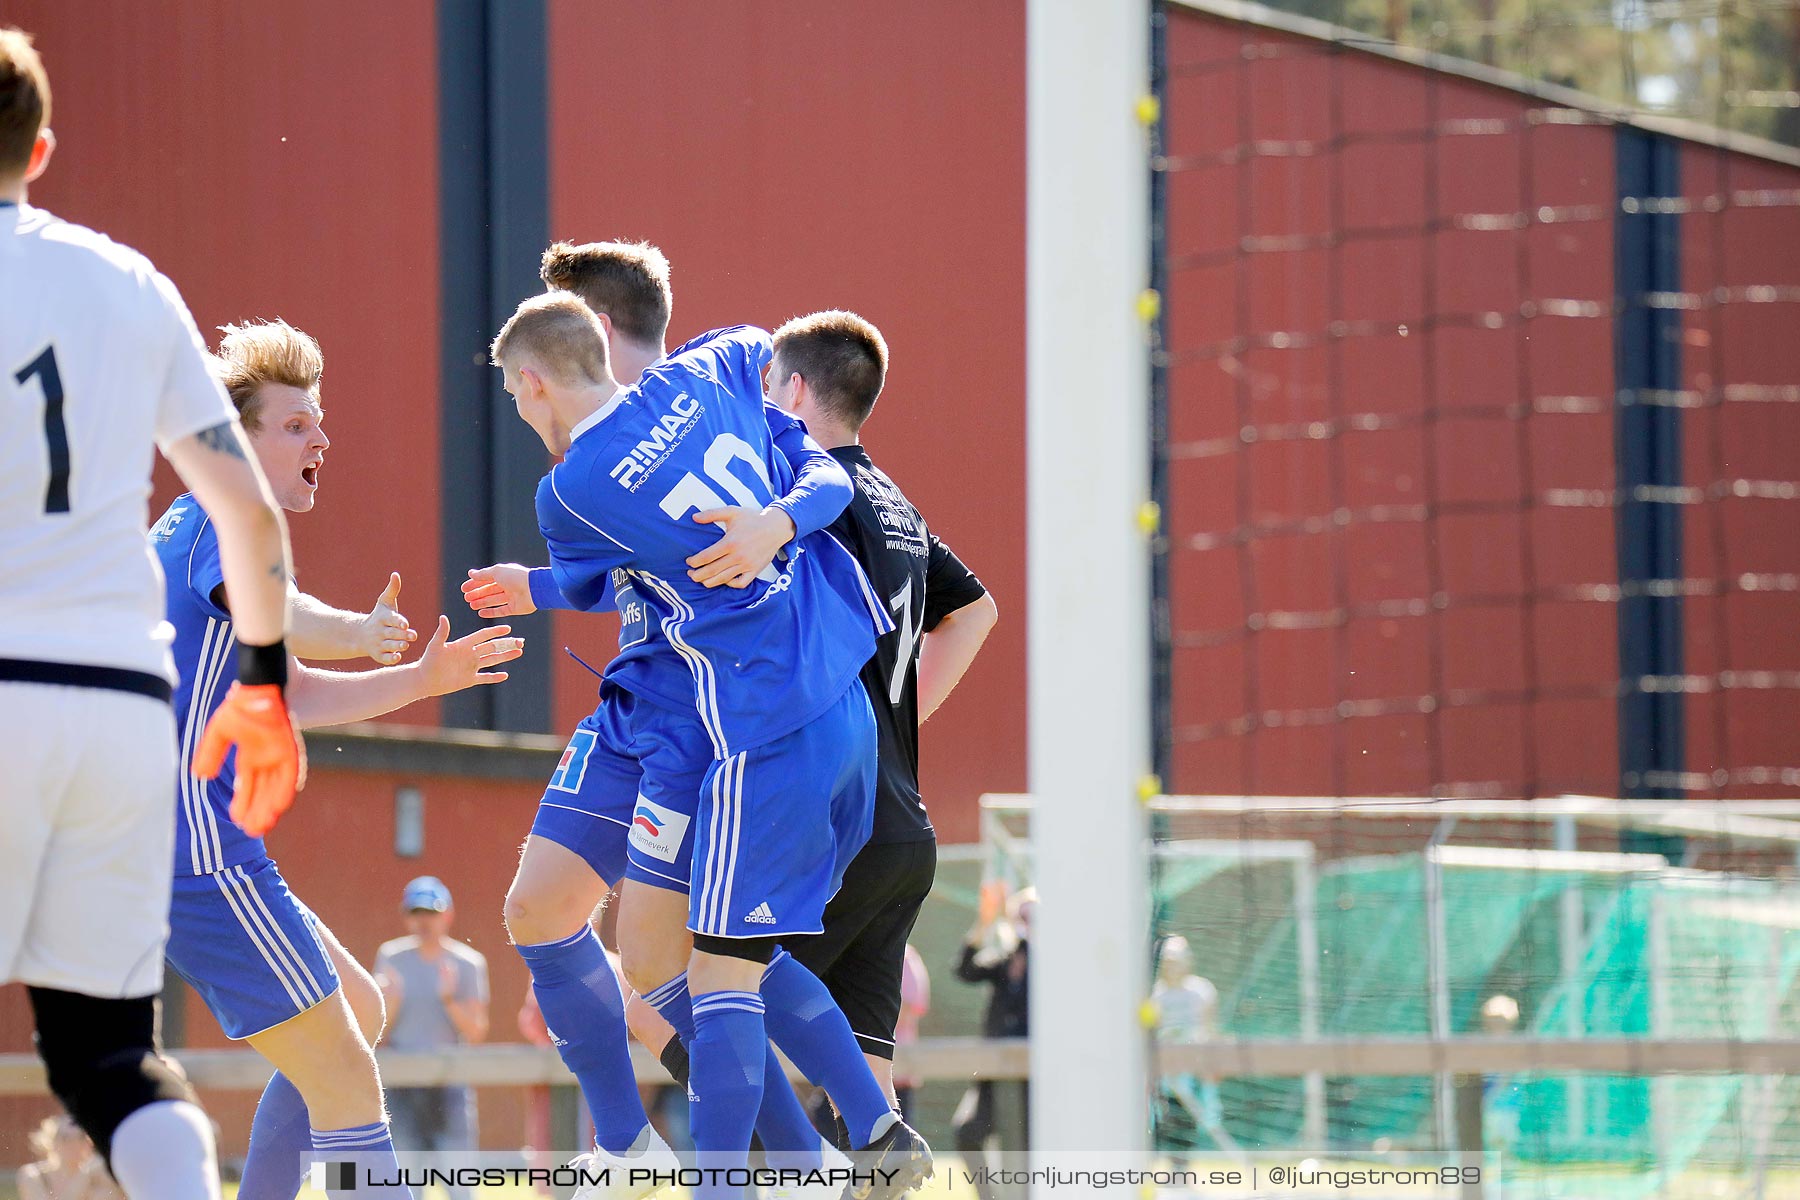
x=560, y=336
x=628, y=282
x=259, y=352
x=24, y=100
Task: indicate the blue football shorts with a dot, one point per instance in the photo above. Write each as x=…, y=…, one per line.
x=759, y=840
x=638, y=793
x=248, y=946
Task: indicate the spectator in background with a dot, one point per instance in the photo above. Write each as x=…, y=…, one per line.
x=437, y=996
x=915, y=1002
x=1187, y=1011
x=996, y=952
x=66, y=1168
x=1502, y=1100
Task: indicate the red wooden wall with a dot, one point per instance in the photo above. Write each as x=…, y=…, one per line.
x=1394, y=568
x=1742, y=740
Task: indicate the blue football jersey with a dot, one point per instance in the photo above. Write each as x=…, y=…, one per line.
x=617, y=514
x=206, y=838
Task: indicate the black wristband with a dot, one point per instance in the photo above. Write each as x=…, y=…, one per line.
x=259, y=665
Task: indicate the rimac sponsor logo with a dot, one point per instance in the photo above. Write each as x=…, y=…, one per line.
x=657, y=831
x=164, y=529
x=641, y=461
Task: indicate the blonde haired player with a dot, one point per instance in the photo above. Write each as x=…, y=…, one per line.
x=100, y=364
x=274, y=353
x=271, y=971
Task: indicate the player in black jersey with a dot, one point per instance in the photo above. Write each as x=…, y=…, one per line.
x=828, y=369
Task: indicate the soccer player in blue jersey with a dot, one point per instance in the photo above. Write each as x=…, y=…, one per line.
x=784, y=737
x=271, y=972
x=577, y=848
x=828, y=368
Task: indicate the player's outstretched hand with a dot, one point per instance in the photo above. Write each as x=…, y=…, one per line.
x=452, y=666
x=385, y=633
x=752, y=539
x=271, y=758
x=502, y=590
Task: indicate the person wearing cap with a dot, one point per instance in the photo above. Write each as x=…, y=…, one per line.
x=437, y=995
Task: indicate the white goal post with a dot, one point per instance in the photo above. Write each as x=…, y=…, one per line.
x=1087, y=480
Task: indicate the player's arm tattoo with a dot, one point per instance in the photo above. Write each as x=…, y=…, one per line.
x=224, y=438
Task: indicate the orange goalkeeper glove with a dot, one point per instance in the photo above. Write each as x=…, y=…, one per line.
x=271, y=758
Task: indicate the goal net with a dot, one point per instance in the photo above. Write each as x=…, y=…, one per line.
x=1472, y=924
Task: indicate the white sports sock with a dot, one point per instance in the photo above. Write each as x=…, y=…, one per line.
x=164, y=1151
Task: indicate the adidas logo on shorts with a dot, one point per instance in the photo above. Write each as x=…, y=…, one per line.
x=761, y=915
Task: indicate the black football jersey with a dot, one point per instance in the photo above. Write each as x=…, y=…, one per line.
x=921, y=582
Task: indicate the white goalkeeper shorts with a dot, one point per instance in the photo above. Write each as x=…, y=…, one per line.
x=87, y=802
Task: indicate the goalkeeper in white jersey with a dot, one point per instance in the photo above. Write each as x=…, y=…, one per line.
x=100, y=365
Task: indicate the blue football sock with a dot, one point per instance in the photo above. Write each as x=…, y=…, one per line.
x=369, y=1151
x=280, y=1144
x=729, y=1050
x=788, y=1138
x=676, y=1006
x=810, y=1029
x=579, y=997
